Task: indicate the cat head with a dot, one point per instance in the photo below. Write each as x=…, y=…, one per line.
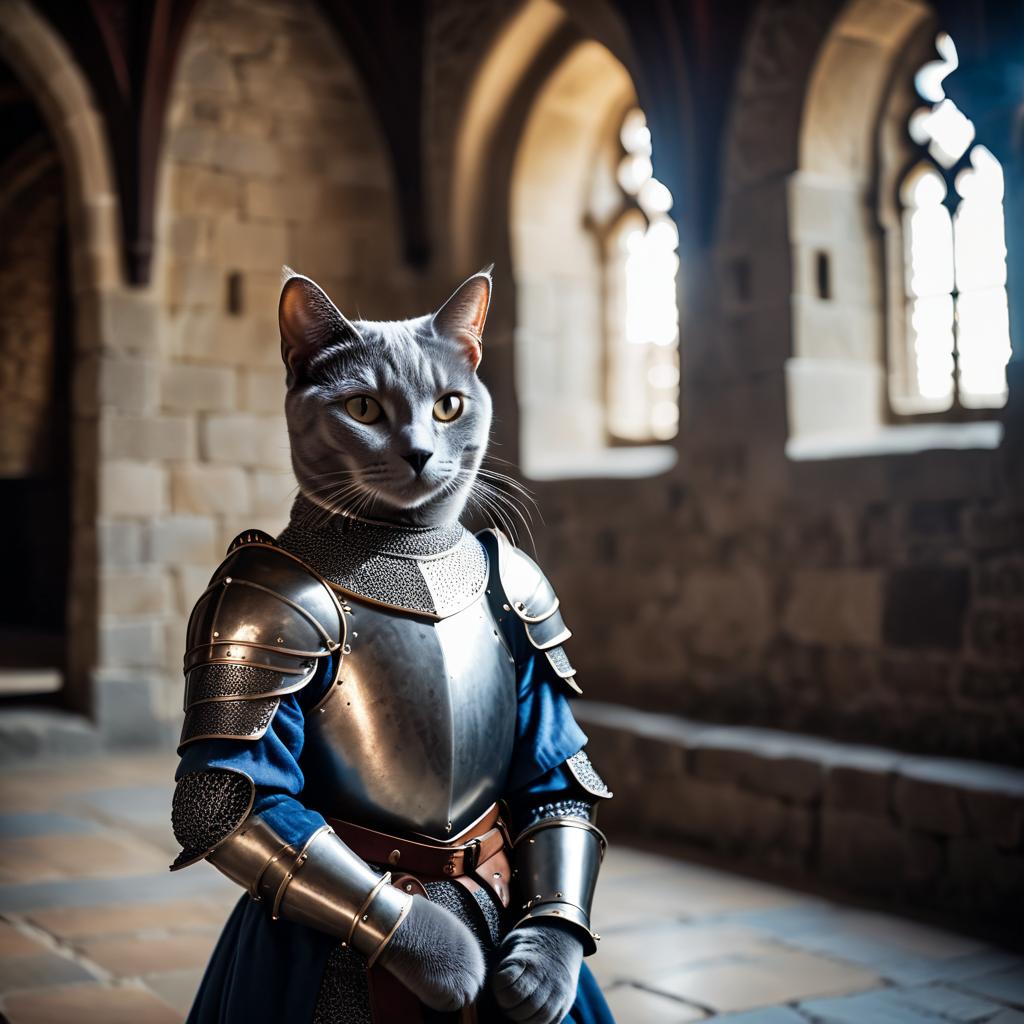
x=386, y=419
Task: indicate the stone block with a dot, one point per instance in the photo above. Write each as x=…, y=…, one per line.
x=129, y=488
x=996, y=527
x=119, y=543
x=862, y=853
x=204, y=489
x=982, y=880
x=189, y=582
x=997, y=635
x=187, y=388
x=206, y=336
x=147, y=437
x=126, y=707
x=929, y=805
x=262, y=390
x=174, y=540
x=131, y=643
x=205, y=192
x=128, y=383
x=727, y=613
x=241, y=245
x=247, y=440
x=863, y=788
x=272, y=491
x=835, y=606
x=139, y=591
x=130, y=322
x=925, y=607
x=194, y=285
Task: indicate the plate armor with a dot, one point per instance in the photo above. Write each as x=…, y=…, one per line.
x=413, y=734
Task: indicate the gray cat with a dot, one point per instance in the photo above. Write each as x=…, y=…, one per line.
x=389, y=421
x=386, y=419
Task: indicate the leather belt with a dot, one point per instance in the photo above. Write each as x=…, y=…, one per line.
x=476, y=856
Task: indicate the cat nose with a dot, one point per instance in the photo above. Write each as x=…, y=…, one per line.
x=417, y=458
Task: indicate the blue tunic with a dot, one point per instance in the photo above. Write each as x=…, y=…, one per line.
x=268, y=972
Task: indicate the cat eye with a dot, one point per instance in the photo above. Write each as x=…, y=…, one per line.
x=363, y=409
x=448, y=408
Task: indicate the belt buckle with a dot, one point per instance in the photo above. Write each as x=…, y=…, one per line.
x=471, y=855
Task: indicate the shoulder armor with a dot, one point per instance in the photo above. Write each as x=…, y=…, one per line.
x=259, y=631
x=529, y=594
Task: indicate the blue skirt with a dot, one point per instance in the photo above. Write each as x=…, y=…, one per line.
x=270, y=972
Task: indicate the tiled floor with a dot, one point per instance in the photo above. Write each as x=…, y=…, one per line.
x=94, y=929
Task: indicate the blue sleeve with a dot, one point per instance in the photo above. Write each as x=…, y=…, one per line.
x=272, y=762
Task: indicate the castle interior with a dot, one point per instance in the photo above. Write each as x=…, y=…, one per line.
x=756, y=350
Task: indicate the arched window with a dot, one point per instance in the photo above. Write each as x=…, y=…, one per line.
x=595, y=257
x=642, y=318
x=952, y=352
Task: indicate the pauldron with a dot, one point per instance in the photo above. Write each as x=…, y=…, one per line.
x=531, y=598
x=259, y=631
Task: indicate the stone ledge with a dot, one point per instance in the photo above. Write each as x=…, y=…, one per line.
x=936, y=832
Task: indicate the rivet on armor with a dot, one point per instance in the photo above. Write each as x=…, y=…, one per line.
x=395, y=856
x=408, y=886
x=227, y=580
x=506, y=607
x=558, y=895
x=347, y=649
x=557, y=913
x=280, y=639
x=354, y=635
x=216, y=633
x=448, y=827
x=497, y=874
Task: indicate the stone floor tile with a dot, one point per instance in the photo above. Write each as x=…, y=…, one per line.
x=39, y=971
x=867, y=1008
x=24, y=825
x=1005, y=986
x=631, y=1005
x=39, y=858
x=90, y=1004
x=131, y=957
x=199, y=881
x=132, y=805
x=81, y=922
x=946, y=1003
x=645, y=954
x=16, y=943
x=177, y=988
x=774, y=977
x=767, y=1015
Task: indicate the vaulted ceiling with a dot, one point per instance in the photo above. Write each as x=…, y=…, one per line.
x=688, y=55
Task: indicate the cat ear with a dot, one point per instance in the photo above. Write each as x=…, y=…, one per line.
x=309, y=322
x=462, y=317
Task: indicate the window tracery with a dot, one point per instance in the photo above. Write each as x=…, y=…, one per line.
x=956, y=340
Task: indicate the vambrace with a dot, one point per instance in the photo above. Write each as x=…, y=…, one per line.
x=321, y=884
x=557, y=861
x=557, y=857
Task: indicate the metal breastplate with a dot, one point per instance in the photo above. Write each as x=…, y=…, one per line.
x=416, y=735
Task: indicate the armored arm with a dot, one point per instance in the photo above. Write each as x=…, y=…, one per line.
x=558, y=851
x=261, y=632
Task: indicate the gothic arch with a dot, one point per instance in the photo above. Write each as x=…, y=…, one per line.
x=42, y=62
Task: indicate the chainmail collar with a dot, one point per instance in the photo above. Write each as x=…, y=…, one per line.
x=434, y=570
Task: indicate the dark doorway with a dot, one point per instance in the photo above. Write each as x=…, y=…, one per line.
x=36, y=353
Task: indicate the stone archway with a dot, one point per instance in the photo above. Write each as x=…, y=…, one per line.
x=41, y=62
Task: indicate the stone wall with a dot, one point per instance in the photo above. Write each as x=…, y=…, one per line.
x=946, y=836
x=271, y=159
x=876, y=598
